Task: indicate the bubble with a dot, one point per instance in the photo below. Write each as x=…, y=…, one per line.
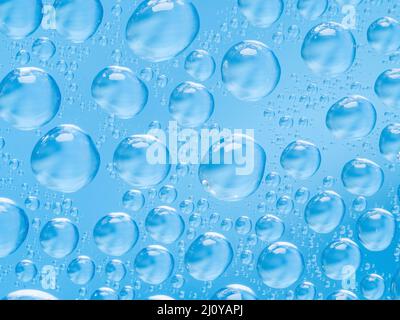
x=384, y=35
x=20, y=18
x=118, y=91
x=352, y=117
x=29, y=98
x=126, y=293
x=387, y=87
x=243, y=225
x=272, y=179
x=164, y=224
x=359, y=204
x=261, y=13
x=329, y=49
x=160, y=297
x=269, y=228
x=14, y=226
x=341, y=259
x=32, y=203
x=324, y=212
x=250, y=70
x=372, y=287
x=44, y=49
x=280, y=265
x=389, y=142
x=81, y=270
x=305, y=291
x=59, y=238
x=115, y=270
x=200, y=65
x=302, y=195
x=28, y=294
x=104, y=293
x=191, y=104
x=234, y=292
x=137, y=161
x=226, y=175
x=208, y=256
x=78, y=20
x=301, y=159
x=133, y=200
x=154, y=264
x=159, y=30
x=342, y=295
x=376, y=229
x=168, y=194
x=65, y=159
x=312, y=9
x=116, y=234
x=362, y=177
x=25, y=271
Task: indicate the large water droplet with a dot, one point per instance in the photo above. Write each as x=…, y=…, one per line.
x=352, y=117
x=20, y=18
x=115, y=234
x=25, y=271
x=78, y=20
x=372, y=287
x=65, y=159
x=329, y=49
x=154, y=264
x=261, y=13
x=301, y=159
x=226, y=174
x=200, y=65
x=387, y=87
x=341, y=259
x=234, y=292
x=159, y=30
x=120, y=92
x=362, y=177
x=29, y=98
x=81, y=270
x=389, y=142
x=28, y=294
x=59, y=237
x=312, y=9
x=136, y=163
x=384, y=35
x=208, y=256
x=324, y=211
x=269, y=228
x=250, y=70
x=14, y=226
x=376, y=229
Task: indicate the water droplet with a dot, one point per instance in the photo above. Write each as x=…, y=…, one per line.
x=25, y=271
x=200, y=65
x=342, y=295
x=133, y=200
x=372, y=287
x=44, y=49
x=387, y=87
x=104, y=293
x=389, y=142
x=81, y=270
x=384, y=35
x=269, y=228
x=235, y=292
x=115, y=270
x=305, y=291
x=312, y=9
x=261, y=13
x=29, y=294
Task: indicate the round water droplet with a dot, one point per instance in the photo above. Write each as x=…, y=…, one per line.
x=261, y=13
x=270, y=228
x=133, y=200
x=376, y=229
x=325, y=211
x=142, y=161
x=372, y=287
x=25, y=271
x=78, y=20
x=200, y=65
x=362, y=177
x=234, y=292
x=191, y=104
x=159, y=30
x=329, y=49
x=126, y=293
x=342, y=295
x=389, y=142
x=118, y=91
x=115, y=270
x=225, y=175
x=104, y=294
x=115, y=234
x=164, y=224
x=352, y=117
x=20, y=18
x=59, y=238
x=384, y=35
x=81, y=270
x=29, y=295
x=250, y=70
x=29, y=98
x=387, y=87
x=312, y=9
x=44, y=49
x=305, y=291
x=154, y=264
x=14, y=226
x=280, y=265
x=208, y=256
x=341, y=259
x=301, y=159
x=65, y=159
